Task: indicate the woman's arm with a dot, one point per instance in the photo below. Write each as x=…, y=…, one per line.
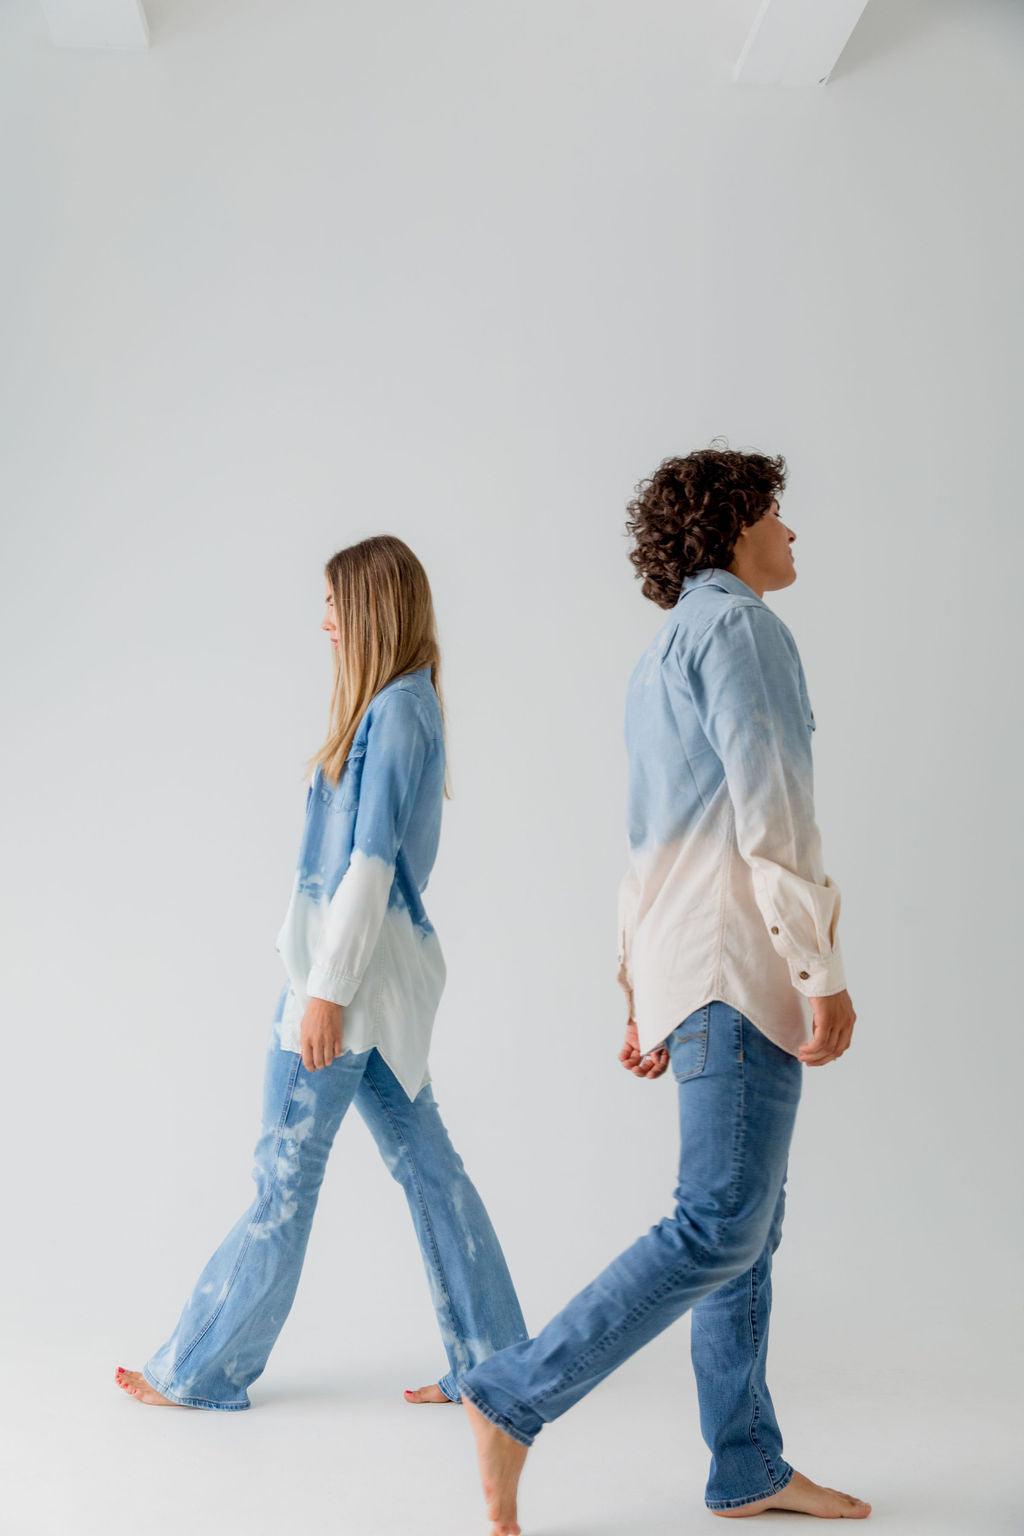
x=397, y=747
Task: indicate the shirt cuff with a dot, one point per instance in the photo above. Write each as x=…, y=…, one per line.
x=332, y=986
x=820, y=977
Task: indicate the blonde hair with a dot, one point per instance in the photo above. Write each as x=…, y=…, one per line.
x=385, y=617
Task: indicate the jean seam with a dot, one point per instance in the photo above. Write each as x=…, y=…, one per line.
x=496, y=1418
x=738, y=1139
x=192, y=1402
x=439, y=1267
x=755, y=1410
x=753, y=1498
x=257, y=1218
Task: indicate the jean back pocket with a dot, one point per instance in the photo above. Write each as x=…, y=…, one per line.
x=688, y=1046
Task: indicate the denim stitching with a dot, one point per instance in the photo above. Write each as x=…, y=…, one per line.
x=755, y=1405
x=191, y=1402
x=495, y=1418
x=753, y=1497
x=739, y=1132
x=694, y=1035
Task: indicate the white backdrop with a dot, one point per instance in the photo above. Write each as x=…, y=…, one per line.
x=465, y=273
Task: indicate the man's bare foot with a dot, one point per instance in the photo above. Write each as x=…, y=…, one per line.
x=431, y=1394
x=500, y=1459
x=805, y=1498
x=136, y=1385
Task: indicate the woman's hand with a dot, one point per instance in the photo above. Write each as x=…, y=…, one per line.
x=320, y=1036
x=651, y=1065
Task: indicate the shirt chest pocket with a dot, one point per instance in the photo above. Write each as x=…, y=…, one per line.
x=352, y=778
x=344, y=796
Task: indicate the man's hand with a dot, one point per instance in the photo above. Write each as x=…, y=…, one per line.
x=833, y=1027
x=320, y=1036
x=651, y=1065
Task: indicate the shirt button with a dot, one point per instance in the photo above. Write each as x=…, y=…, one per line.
x=775, y=930
x=804, y=975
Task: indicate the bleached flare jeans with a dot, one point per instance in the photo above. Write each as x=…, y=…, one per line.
x=738, y=1096
x=231, y=1320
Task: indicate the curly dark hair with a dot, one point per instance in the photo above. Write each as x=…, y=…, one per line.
x=691, y=511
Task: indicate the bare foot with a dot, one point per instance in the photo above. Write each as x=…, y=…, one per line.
x=500, y=1459
x=431, y=1394
x=136, y=1385
x=805, y=1498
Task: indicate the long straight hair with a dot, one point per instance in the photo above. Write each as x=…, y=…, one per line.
x=385, y=617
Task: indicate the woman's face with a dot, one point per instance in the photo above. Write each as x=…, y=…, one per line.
x=330, y=623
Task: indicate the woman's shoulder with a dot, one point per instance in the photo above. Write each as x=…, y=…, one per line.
x=407, y=700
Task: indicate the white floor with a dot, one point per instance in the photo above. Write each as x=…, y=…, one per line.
x=319, y=1454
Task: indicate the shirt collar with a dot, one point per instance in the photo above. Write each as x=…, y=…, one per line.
x=715, y=576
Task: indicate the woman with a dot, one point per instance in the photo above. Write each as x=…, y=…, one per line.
x=354, y=1019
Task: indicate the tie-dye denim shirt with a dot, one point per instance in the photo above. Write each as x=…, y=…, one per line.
x=356, y=931
x=725, y=896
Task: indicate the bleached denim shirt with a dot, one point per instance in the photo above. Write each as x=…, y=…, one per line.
x=356, y=931
x=725, y=896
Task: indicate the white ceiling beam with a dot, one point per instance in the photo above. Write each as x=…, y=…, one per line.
x=96, y=23
x=797, y=42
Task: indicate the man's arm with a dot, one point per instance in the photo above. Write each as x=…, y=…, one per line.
x=744, y=679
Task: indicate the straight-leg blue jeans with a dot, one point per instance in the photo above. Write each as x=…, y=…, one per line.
x=738, y=1096
x=239, y=1304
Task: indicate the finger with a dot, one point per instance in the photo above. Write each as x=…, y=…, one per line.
x=815, y=1045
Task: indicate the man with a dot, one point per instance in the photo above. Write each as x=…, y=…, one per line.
x=730, y=959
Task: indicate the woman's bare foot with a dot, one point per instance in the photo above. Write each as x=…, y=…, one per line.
x=136, y=1385
x=805, y=1498
x=431, y=1394
x=500, y=1459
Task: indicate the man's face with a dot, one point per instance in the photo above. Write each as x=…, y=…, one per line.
x=763, y=552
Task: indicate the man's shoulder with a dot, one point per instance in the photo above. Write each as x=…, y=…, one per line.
x=720, y=623
x=709, y=609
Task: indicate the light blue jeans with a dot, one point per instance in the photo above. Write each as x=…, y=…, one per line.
x=738, y=1096
x=240, y=1301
